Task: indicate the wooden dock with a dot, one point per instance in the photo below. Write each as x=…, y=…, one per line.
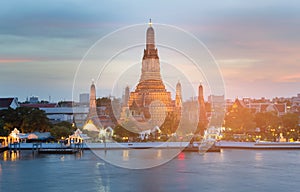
x=58, y=151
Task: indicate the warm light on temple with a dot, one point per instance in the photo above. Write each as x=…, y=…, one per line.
x=150, y=23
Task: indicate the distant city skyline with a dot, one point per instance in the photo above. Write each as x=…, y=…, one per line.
x=256, y=44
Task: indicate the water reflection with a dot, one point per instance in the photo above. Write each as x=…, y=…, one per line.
x=158, y=153
x=125, y=155
x=102, y=182
x=258, y=156
x=181, y=156
x=228, y=171
x=79, y=154
x=137, y=158
x=11, y=155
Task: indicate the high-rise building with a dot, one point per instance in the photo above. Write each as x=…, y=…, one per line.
x=84, y=98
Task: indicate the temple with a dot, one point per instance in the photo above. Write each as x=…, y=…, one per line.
x=150, y=99
x=92, y=122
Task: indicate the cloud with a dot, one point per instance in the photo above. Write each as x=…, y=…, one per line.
x=256, y=43
x=15, y=60
x=290, y=78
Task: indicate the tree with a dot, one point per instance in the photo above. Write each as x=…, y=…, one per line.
x=10, y=119
x=240, y=121
x=62, y=129
x=25, y=118
x=120, y=132
x=290, y=126
x=269, y=123
x=3, y=131
x=170, y=124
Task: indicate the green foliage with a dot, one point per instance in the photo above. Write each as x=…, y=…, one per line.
x=120, y=131
x=3, y=131
x=290, y=121
x=267, y=121
x=240, y=121
x=62, y=129
x=34, y=120
x=290, y=127
x=170, y=124
x=24, y=118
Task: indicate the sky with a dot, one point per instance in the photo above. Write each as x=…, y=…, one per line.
x=255, y=43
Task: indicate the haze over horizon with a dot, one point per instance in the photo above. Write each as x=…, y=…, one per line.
x=256, y=44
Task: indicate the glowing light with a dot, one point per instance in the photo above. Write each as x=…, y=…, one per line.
x=181, y=156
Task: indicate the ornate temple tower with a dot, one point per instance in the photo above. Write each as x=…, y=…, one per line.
x=150, y=90
x=92, y=97
x=126, y=97
x=178, y=97
x=92, y=122
x=150, y=63
x=203, y=122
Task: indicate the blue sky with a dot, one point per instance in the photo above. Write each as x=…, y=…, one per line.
x=255, y=43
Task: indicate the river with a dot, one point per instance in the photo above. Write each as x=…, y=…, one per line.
x=230, y=170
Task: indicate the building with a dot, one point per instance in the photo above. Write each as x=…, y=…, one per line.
x=190, y=111
x=69, y=114
x=33, y=99
x=150, y=101
x=260, y=106
x=84, y=99
x=11, y=102
x=98, y=117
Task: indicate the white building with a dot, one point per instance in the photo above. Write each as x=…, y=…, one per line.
x=70, y=114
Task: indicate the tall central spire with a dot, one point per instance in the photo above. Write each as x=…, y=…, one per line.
x=150, y=93
x=150, y=63
x=150, y=40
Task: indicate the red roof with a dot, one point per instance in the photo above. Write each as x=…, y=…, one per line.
x=280, y=108
x=5, y=102
x=263, y=107
x=39, y=105
x=239, y=103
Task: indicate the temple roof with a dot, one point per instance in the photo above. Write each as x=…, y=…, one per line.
x=5, y=102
